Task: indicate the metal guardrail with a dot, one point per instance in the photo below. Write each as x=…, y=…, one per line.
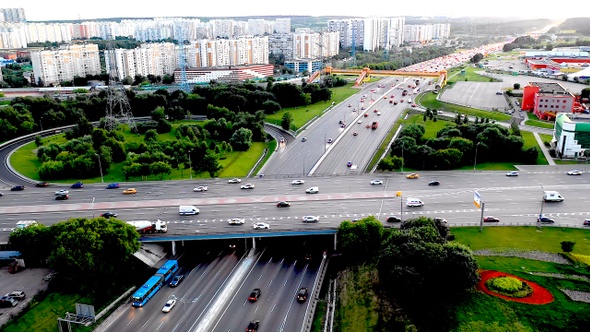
x=315, y=292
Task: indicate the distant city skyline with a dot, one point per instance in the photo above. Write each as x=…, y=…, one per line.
x=42, y=10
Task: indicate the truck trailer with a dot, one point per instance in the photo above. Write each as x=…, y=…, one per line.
x=149, y=227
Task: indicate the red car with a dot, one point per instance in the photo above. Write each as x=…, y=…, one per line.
x=491, y=219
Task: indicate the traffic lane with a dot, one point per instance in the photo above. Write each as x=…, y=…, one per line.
x=296, y=317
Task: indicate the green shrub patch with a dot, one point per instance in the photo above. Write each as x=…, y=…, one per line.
x=509, y=286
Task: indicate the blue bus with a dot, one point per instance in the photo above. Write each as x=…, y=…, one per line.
x=153, y=285
x=168, y=270
x=149, y=289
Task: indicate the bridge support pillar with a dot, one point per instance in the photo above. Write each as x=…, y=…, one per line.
x=173, y=249
x=335, y=241
x=253, y=243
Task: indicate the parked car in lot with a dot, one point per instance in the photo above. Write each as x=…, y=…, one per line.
x=168, y=306
x=491, y=219
x=77, y=185
x=176, y=280
x=18, y=295
x=113, y=186
x=7, y=302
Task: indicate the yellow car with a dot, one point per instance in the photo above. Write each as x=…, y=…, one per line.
x=129, y=191
x=412, y=176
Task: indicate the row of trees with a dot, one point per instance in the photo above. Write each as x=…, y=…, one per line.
x=456, y=146
x=419, y=268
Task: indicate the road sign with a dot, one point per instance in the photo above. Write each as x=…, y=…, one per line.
x=477, y=199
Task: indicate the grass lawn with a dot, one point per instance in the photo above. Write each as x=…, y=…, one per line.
x=533, y=120
x=431, y=127
x=530, y=141
x=301, y=115
x=455, y=75
x=428, y=100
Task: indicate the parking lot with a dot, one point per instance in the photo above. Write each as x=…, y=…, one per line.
x=28, y=280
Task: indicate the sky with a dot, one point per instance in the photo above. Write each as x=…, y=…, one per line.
x=44, y=10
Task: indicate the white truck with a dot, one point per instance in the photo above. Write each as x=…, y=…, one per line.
x=552, y=196
x=24, y=223
x=187, y=210
x=149, y=227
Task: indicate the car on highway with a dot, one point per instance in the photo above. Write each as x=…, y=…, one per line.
x=283, y=204
x=359, y=121
x=376, y=182
x=168, y=306
x=512, y=173
x=545, y=220
x=378, y=113
x=129, y=191
x=348, y=164
x=440, y=220
x=586, y=222
x=297, y=182
x=303, y=139
x=108, y=215
x=261, y=225
x=312, y=190
x=491, y=219
x=247, y=186
x=77, y=185
x=414, y=105
x=113, y=186
x=176, y=280
x=200, y=188
x=61, y=197
x=395, y=102
x=253, y=326
x=434, y=183
x=42, y=184
x=330, y=141
x=393, y=219
x=302, y=294
x=414, y=202
x=310, y=219
x=375, y=111
x=355, y=134
x=366, y=115
x=234, y=180
x=62, y=192
x=237, y=221
x=574, y=172
x=17, y=188
x=254, y=295
x=412, y=176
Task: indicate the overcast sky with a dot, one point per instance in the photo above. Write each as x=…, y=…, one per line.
x=43, y=10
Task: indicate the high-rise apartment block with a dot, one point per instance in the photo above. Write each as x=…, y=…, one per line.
x=55, y=66
x=157, y=59
x=13, y=15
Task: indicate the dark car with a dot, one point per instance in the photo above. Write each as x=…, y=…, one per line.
x=254, y=295
x=434, y=183
x=42, y=184
x=113, y=186
x=393, y=219
x=7, y=302
x=253, y=326
x=546, y=220
x=17, y=188
x=77, y=185
x=283, y=204
x=491, y=219
x=302, y=294
x=176, y=280
x=61, y=197
x=586, y=222
x=108, y=215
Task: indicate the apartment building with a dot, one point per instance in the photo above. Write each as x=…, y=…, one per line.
x=55, y=66
x=13, y=15
x=157, y=59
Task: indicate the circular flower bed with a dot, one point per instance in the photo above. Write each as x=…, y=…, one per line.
x=501, y=285
x=509, y=286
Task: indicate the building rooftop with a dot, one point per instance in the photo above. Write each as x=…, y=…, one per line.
x=550, y=88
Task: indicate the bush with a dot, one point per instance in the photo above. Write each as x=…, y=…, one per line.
x=584, y=259
x=567, y=246
x=509, y=286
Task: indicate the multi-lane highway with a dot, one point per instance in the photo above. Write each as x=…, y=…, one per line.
x=512, y=199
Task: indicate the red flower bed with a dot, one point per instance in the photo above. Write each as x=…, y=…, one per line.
x=540, y=294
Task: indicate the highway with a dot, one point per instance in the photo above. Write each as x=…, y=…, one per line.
x=512, y=199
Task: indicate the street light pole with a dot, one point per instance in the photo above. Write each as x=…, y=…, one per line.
x=541, y=212
x=100, y=168
x=475, y=159
x=190, y=169
x=41, y=123
x=403, y=157
x=93, y=198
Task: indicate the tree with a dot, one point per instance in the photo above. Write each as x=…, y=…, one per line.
x=286, y=121
x=93, y=253
x=360, y=241
x=516, y=86
x=567, y=246
x=160, y=168
x=241, y=140
x=158, y=113
x=33, y=243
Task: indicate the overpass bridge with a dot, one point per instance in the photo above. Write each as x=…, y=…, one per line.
x=366, y=73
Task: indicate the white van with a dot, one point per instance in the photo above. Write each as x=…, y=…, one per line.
x=552, y=196
x=414, y=202
x=187, y=210
x=312, y=190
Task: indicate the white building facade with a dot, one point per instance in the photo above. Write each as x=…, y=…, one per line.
x=63, y=64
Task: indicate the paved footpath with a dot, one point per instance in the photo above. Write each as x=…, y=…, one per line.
x=544, y=149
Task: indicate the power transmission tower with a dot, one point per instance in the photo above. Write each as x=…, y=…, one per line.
x=182, y=63
x=118, y=108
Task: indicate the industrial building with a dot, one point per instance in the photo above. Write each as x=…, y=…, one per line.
x=572, y=139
